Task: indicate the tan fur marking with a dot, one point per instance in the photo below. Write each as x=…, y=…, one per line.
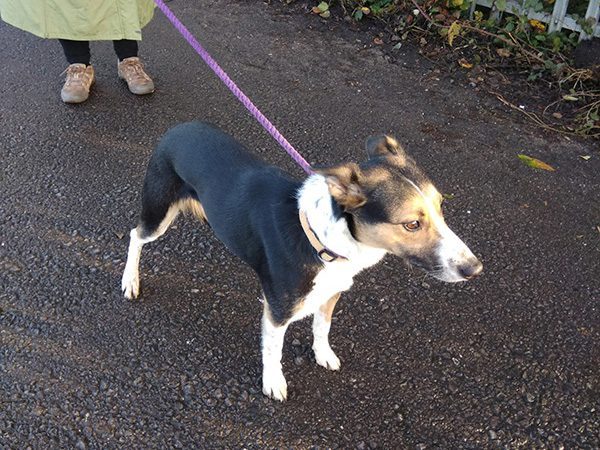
x=194, y=207
x=298, y=307
x=343, y=182
x=424, y=206
x=430, y=192
x=378, y=174
x=387, y=146
x=400, y=156
x=328, y=307
x=392, y=142
x=267, y=312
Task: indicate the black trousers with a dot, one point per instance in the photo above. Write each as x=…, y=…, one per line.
x=79, y=51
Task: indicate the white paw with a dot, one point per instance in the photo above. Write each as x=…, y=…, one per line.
x=326, y=358
x=274, y=385
x=130, y=285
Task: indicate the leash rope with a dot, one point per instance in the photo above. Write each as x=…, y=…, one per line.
x=237, y=92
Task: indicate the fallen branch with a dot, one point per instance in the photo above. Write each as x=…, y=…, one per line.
x=532, y=116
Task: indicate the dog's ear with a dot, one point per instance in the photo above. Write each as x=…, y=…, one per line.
x=384, y=145
x=344, y=185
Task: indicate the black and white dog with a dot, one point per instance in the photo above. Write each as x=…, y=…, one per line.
x=305, y=240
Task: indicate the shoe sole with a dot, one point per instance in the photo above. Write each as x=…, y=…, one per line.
x=143, y=91
x=75, y=100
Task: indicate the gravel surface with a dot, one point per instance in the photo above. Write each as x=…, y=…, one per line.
x=507, y=361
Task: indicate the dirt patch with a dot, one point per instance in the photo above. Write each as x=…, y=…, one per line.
x=565, y=101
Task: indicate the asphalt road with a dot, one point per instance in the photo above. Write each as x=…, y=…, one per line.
x=509, y=360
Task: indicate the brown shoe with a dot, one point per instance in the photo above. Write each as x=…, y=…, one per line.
x=77, y=85
x=132, y=71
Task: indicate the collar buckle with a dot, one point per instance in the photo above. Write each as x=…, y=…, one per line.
x=323, y=252
x=327, y=255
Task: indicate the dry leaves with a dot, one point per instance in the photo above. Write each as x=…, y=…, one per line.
x=453, y=31
x=465, y=64
x=322, y=9
x=503, y=52
x=535, y=163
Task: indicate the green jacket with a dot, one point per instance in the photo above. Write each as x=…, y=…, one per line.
x=79, y=20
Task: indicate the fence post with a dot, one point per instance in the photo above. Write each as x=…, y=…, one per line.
x=472, y=9
x=558, y=15
x=592, y=12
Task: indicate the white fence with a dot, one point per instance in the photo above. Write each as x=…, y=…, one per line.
x=556, y=20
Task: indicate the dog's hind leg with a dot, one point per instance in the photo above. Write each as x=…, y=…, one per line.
x=145, y=232
x=162, y=200
x=130, y=282
x=321, y=324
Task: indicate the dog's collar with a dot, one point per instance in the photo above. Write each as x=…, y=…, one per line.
x=323, y=252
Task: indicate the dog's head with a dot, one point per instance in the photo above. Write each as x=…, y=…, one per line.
x=392, y=205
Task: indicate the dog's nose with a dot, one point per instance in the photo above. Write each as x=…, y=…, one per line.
x=470, y=269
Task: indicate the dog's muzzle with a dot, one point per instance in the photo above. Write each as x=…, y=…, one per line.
x=456, y=260
x=471, y=269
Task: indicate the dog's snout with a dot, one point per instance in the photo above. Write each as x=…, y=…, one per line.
x=471, y=269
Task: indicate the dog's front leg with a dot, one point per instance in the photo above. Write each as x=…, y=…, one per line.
x=321, y=324
x=274, y=384
x=130, y=283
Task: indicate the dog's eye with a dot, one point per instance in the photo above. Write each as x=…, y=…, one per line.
x=412, y=226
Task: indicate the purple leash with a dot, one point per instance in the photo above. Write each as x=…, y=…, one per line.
x=260, y=117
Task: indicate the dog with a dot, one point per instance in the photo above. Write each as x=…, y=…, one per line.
x=306, y=240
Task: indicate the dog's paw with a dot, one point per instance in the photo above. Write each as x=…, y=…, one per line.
x=326, y=358
x=274, y=385
x=130, y=285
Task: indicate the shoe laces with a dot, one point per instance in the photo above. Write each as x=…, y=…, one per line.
x=134, y=69
x=75, y=74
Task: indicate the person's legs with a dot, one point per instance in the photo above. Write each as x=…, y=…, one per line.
x=80, y=74
x=131, y=69
x=126, y=48
x=76, y=52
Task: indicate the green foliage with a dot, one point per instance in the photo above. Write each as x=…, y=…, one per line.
x=363, y=8
x=536, y=5
x=516, y=29
x=486, y=36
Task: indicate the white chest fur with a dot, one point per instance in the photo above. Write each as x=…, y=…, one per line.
x=335, y=277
